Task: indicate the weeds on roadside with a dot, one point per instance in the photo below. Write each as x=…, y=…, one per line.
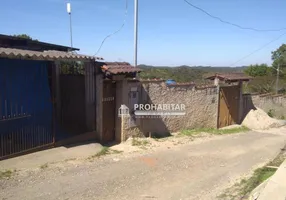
x=258, y=177
x=7, y=174
x=105, y=151
x=70, y=159
x=115, y=151
x=243, y=189
x=194, y=132
x=136, y=142
x=271, y=113
x=279, y=159
x=44, y=166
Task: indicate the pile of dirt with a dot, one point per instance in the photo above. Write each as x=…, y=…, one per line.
x=259, y=120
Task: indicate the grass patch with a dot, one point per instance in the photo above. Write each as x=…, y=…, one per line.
x=102, y=152
x=194, y=132
x=258, y=177
x=115, y=151
x=6, y=174
x=105, y=151
x=44, y=166
x=136, y=142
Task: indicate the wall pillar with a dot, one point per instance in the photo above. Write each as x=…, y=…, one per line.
x=216, y=81
x=240, y=111
x=121, y=99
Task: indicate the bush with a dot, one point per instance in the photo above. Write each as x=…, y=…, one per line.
x=270, y=113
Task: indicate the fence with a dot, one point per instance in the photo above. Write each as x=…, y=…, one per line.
x=26, y=111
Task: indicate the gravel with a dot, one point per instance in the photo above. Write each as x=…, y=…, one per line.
x=197, y=170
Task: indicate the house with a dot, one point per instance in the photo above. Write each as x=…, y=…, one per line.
x=50, y=95
x=116, y=92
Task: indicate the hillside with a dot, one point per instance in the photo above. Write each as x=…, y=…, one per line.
x=184, y=73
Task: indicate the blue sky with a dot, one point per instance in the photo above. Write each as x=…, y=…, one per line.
x=170, y=32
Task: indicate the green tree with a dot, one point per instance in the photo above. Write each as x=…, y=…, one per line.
x=262, y=84
x=257, y=70
x=24, y=36
x=279, y=57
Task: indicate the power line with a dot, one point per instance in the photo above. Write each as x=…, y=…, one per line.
x=230, y=23
x=123, y=24
x=262, y=47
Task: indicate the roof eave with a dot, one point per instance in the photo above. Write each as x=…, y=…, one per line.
x=46, y=58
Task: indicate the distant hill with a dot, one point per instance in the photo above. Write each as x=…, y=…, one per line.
x=184, y=73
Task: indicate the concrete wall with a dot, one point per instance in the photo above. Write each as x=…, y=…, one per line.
x=123, y=88
x=201, y=108
x=269, y=102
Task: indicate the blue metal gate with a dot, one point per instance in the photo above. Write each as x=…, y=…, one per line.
x=26, y=110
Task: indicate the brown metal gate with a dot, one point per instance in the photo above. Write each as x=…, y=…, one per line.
x=109, y=105
x=228, y=105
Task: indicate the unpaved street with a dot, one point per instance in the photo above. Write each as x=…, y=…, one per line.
x=199, y=170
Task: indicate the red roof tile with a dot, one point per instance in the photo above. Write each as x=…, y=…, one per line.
x=119, y=67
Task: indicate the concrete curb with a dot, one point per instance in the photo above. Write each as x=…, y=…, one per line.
x=276, y=185
x=256, y=192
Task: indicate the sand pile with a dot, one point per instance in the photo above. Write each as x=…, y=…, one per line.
x=259, y=120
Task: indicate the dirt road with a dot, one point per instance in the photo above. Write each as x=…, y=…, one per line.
x=200, y=170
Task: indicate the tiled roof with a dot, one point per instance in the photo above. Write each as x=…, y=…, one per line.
x=119, y=67
x=45, y=55
x=230, y=77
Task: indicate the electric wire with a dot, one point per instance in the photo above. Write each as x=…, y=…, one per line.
x=108, y=36
x=230, y=23
x=259, y=49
